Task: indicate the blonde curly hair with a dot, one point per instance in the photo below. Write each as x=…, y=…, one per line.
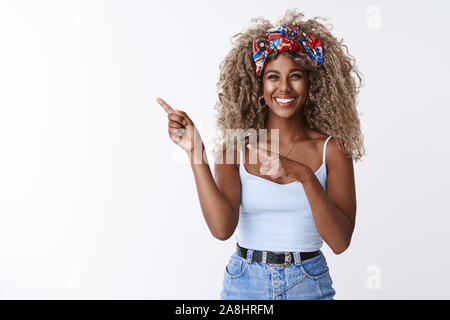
x=332, y=94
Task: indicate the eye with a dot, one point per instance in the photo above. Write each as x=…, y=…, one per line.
x=298, y=75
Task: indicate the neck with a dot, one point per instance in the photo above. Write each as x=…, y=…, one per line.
x=290, y=129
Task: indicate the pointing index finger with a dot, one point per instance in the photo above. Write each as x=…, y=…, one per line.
x=165, y=105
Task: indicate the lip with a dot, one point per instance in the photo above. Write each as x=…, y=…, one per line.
x=285, y=105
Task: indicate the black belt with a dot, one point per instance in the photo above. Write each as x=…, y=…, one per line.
x=270, y=257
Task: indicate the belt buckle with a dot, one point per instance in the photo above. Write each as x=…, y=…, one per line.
x=287, y=260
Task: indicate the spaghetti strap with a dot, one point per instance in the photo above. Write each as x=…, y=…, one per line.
x=241, y=154
x=325, y=149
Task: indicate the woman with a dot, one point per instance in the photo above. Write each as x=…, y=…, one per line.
x=292, y=83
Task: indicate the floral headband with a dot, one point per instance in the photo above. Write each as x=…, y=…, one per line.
x=286, y=39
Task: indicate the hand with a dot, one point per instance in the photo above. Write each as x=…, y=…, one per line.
x=280, y=169
x=182, y=130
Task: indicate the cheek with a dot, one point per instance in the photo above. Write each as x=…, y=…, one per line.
x=268, y=90
x=300, y=86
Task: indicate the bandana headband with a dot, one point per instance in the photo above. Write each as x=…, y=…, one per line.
x=285, y=39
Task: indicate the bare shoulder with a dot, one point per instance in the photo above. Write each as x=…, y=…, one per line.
x=317, y=140
x=336, y=158
x=315, y=135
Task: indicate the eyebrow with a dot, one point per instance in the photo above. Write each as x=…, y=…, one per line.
x=292, y=70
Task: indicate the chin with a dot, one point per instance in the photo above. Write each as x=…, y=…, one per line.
x=284, y=113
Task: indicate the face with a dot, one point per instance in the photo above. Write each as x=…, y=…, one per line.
x=284, y=85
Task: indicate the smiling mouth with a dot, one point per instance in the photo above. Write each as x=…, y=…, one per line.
x=285, y=102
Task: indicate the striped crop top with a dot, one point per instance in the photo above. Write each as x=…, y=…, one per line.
x=277, y=217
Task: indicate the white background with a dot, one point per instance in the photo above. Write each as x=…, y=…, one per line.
x=96, y=202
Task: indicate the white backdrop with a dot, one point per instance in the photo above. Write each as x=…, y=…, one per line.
x=96, y=202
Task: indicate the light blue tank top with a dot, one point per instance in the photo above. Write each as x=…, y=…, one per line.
x=277, y=217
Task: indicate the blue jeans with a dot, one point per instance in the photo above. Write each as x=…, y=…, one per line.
x=245, y=279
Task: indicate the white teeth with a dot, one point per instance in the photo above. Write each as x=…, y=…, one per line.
x=284, y=100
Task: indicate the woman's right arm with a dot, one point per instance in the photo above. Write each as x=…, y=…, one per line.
x=219, y=198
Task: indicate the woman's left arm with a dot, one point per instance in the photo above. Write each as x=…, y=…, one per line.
x=334, y=211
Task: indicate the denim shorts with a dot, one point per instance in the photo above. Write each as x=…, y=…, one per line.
x=245, y=279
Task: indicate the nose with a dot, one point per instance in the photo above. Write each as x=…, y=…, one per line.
x=285, y=85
